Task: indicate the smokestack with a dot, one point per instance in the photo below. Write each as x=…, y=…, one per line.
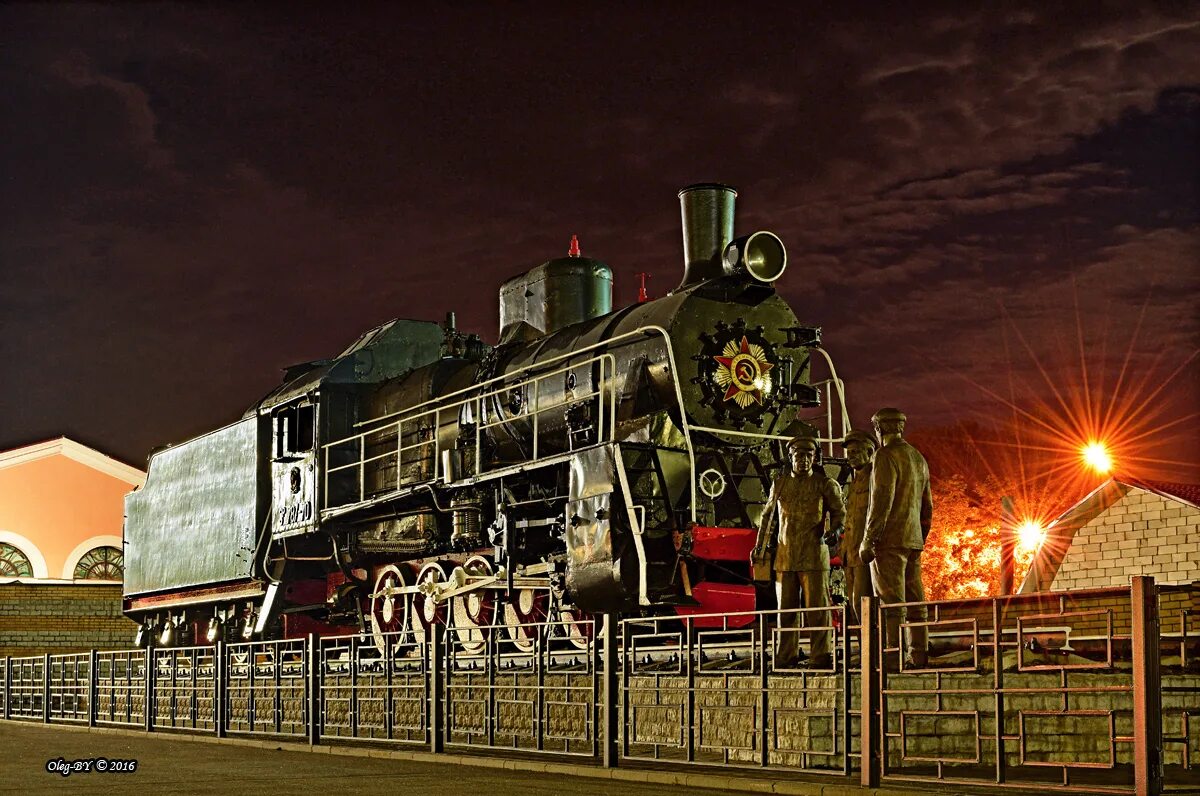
x=707, y=211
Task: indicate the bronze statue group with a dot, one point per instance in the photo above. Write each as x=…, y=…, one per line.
x=885, y=516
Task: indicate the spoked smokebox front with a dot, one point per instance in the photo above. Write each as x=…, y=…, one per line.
x=608, y=548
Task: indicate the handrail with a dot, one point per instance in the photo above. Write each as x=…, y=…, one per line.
x=841, y=391
x=831, y=438
x=477, y=404
x=464, y=402
x=503, y=383
x=443, y=403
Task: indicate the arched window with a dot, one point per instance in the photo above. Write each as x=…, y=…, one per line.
x=14, y=563
x=101, y=563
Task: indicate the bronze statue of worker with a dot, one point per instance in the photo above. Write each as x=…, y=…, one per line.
x=898, y=518
x=793, y=525
x=860, y=452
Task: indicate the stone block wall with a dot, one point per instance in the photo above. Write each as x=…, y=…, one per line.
x=947, y=717
x=36, y=618
x=1143, y=533
x=1087, y=615
x=804, y=726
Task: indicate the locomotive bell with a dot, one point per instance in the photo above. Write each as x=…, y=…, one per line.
x=761, y=255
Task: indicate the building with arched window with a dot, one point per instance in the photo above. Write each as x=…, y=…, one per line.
x=62, y=507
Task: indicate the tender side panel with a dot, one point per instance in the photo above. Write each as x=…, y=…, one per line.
x=197, y=519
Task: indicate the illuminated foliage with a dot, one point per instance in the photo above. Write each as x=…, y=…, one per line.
x=962, y=553
x=972, y=470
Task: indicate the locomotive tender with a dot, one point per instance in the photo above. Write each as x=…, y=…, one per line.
x=591, y=461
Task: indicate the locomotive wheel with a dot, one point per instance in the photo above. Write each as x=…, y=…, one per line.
x=426, y=610
x=575, y=626
x=390, y=613
x=473, y=611
x=523, y=611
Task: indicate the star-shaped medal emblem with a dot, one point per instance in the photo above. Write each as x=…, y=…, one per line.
x=744, y=372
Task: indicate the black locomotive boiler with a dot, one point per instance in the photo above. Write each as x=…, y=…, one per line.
x=591, y=461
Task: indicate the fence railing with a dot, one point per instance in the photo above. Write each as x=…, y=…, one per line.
x=1084, y=691
x=707, y=689
x=1034, y=691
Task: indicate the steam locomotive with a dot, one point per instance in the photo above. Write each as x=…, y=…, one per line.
x=591, y=461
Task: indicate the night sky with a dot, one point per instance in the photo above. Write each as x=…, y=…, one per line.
x=980, y=206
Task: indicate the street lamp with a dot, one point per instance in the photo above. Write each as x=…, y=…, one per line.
x=1030, y=534
x=1096, y=456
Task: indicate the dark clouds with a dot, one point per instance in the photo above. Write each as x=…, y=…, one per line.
x=193, y=197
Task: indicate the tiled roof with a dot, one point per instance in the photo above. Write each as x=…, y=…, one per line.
x=1188, y=493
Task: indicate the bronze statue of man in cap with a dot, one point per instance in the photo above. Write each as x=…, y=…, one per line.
x=860, y=452
x=793, y=524
x=898, y=519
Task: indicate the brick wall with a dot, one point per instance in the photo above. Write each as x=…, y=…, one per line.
x=36, y=618
x=1141, y=534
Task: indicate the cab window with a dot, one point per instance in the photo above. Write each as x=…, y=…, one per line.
x=295, y=430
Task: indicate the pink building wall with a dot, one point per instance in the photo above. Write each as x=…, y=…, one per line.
x=58, y=500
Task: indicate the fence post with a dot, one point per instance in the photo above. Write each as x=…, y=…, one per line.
x=847, y=689
x=1147, y=689
x=7, y=687
x=389, y=694
x=435, y=641
x=610, y=692
x=542, y=660
x=93, y=686
x=277, y=702
x=46, y=688
x=354, y=642
x=148, y=706
x=998, y=687
x=764, y=642
x=313, y=662
x=220, y=687
x=690, y=732
x=871, y=698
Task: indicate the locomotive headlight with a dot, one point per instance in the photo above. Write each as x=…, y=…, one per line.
x=761, y=255
x=214, y=627
x=168, y=633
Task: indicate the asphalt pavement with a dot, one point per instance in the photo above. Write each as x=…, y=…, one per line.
x=171, y=764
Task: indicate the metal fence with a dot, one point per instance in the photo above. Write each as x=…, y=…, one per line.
x=185, y=688
x=706, y=689
x=119, y=687
x=1031, y=692
x=1050, y=691
x=531, y=687
x=373, y=689
x=1083, y=691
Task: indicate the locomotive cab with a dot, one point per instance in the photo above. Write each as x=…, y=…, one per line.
x=294, y=468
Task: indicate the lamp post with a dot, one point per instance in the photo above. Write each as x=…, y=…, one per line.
x=1008, y=537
